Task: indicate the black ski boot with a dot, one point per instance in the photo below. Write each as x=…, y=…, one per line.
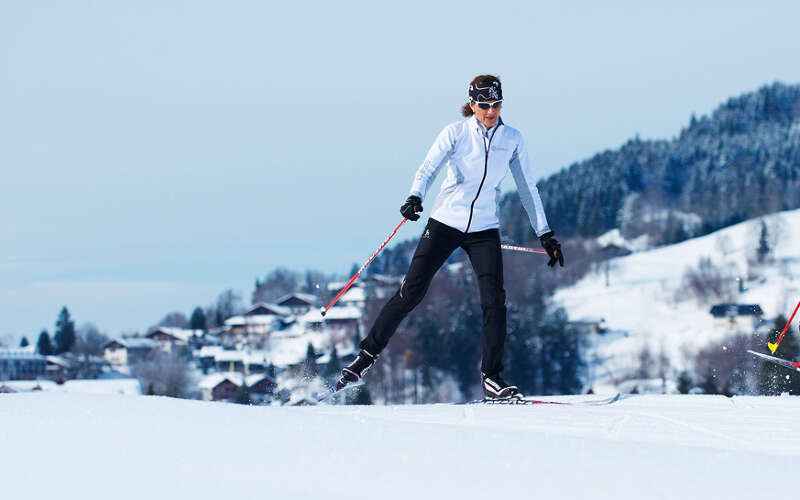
x=494, y=387
x=358, y=367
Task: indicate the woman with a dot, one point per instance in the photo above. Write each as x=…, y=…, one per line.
x=478, y=152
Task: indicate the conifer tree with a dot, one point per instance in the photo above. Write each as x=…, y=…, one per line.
x=198, y=319
x=243, y=394
x=24, y=342
x=763, y=244
x=44, y=346
x=65, y=332
x=310, y=363
x=684, y=382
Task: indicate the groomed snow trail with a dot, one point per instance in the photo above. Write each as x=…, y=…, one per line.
x=79, y=446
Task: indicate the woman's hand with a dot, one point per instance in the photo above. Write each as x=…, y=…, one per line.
x=410, y=208
x=553, y=248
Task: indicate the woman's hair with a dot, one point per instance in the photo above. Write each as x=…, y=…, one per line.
x=480, y=79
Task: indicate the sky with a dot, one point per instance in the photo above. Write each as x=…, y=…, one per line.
x=154, y=154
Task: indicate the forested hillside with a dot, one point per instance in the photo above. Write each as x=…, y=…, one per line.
x=741, y=162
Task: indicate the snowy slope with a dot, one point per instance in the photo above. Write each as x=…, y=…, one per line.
x=641, y=296
x=80, y=446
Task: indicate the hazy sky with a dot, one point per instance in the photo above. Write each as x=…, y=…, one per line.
x=154, y=154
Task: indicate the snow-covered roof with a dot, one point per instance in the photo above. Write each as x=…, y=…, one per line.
x=334, y=313
x=56, y=360
x=134, y=343
x=183, y=334
x=304, y=297
x=252, y=320
x=354, y=295
x=209, y=351
x=20, y=353
x=338, y=285
x=214, y=379
x=263, y=308
x=249, y=357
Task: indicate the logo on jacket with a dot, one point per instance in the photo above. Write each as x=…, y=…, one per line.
x=427, y=234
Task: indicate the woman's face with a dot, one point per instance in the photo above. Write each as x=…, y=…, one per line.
x=488, y=117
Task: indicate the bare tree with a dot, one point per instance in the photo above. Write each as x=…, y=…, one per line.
x=735, y=370
x=277, y=283
x=90, y=340
x=229, y=303
x=707, y=282
x=174, y=319
x=165, y=374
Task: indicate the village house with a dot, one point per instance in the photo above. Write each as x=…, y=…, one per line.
x=224, y=386
x=260, y=319
x=298, y=303
x=373, y=286
x=169, y=338
x=742, y=317
x=240, y=361
x=337, y=317
x=122, y=352
x=21, y=364
x=381, y=286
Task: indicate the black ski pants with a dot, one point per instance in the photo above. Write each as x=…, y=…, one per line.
x=437, y=243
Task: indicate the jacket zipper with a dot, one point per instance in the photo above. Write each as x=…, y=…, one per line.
x=487, y=145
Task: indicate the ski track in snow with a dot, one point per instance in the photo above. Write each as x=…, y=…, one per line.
x=133, y=447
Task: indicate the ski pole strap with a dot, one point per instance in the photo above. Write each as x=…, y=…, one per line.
x=325, y=310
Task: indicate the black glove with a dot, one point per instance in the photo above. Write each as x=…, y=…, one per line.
x=410, y=208
x=553, y=248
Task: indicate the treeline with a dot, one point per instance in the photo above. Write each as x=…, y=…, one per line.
x=741, y=162
x=66, y=338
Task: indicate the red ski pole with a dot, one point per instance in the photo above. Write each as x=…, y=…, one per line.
x=523, y=249
x=324, y=310
x=774, y=347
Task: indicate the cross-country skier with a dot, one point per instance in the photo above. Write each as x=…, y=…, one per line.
x=478, y=152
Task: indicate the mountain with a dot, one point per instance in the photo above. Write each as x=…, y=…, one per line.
x=646, y=297
x=742, y=161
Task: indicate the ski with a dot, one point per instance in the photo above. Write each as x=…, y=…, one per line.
x=525, y=401
x=336, y=388
x=792, y=365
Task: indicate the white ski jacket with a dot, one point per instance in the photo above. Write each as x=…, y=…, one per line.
x=477, y=162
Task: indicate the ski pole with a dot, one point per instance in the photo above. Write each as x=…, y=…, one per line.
x=774, y=347
x=523, y=249
x=324, y=310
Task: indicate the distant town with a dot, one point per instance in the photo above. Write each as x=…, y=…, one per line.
x=271, y=353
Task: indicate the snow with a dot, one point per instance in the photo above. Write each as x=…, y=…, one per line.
x=125, y=386
x=20, y=353
x=642, y=291
x=353, y=295
x=659, y=447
